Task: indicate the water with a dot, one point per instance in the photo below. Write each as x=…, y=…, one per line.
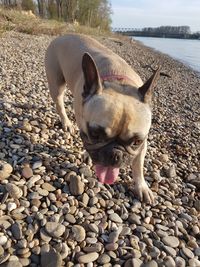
x=186, y=51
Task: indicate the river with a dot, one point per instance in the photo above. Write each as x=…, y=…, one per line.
x=184, y=50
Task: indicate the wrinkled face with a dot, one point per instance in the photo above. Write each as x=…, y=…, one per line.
x=115, y=121
x=115, y=128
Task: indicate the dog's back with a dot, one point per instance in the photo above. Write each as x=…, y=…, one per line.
x=64, y=55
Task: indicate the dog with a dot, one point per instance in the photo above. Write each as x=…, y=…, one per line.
x=112, y=105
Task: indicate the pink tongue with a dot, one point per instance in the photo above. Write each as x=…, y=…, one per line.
x=106, y=175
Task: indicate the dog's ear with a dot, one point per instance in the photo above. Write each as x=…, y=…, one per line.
x=145, y=91
x=92, y=79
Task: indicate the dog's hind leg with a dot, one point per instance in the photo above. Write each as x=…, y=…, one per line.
x=57, y=86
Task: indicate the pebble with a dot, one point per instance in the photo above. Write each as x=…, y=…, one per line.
x=169, y=262
x=197, y=251
x=103, y=259
x=51, y=259
x=37, y=165
x=196, y=229
x=85, y=199
x=180, y=262
x=5, y=170
x=42, y=192
x=44, y=236
x=194, y=262
x=87, y=258
x=70, y=218
x=16, y=231
x=13, y=258
x=48, y=187
x=94, y=228
x=25, y=261
x=54, y=229
x=164, y=158
x=3, y=240
x=169, y=250
x=27, y=172
x=171, y=172
x=14, y=191
x=111, y=246
x=134, y=218
x=12, y=264
x=76, y=185
x=11, y=206
x=133, y=263
x=78, y=233
x=197, y=205
x=115, y=218
x=171, y=241
x=1, y=250
x=150, y=264
x=187, y=252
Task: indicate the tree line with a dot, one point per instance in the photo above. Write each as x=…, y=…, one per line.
x=173, y=30
x=92, y=13
x=169, y=29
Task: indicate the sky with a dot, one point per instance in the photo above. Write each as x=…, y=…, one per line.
x=154, y=13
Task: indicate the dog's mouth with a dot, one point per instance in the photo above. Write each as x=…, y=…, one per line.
x=108, y=156
x=106, y=174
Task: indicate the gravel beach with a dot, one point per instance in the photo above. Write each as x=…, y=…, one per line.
x=53, y=212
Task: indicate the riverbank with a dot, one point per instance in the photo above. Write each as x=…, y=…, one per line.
x=56, y=201
x=186, y=51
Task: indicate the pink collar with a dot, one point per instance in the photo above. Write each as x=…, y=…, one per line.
x=115, y=77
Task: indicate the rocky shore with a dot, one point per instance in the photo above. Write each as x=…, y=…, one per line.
x=53, y=212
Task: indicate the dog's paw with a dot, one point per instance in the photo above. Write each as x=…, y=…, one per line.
x=68, y=127
x=144, y=193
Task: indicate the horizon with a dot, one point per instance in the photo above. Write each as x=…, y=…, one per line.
x=141, y=13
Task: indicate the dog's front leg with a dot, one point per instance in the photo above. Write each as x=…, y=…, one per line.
x=141, y=188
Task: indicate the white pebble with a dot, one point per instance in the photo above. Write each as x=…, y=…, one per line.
x=3, y=240
x=11, y=206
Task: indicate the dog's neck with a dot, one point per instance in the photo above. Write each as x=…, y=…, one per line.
x=122, y=79
x=120, y=83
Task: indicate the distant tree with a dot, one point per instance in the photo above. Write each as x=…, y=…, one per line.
x=41, y=8
x=28, y=5
x=10, y=3
x=70, y=10
x=169, y=30
x=51, y=9
x=93, y=13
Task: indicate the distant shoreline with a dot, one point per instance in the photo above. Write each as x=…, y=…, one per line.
x=187, y=37
x=183, y=60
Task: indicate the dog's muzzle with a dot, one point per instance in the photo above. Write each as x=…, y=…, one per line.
x=109, y=153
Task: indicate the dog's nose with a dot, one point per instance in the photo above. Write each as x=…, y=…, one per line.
x=116, y=157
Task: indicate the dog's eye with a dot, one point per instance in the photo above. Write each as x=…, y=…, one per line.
x=134, y=141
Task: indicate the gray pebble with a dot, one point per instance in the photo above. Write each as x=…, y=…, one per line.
x=103, y=259
x=90, y=257
x=76, y=185
x=16, y=231
x=78, y=233
x=54, y=229
x=115, y=218
x=171, y=241
x=51, y=259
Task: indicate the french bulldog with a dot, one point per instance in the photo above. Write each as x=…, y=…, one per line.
x=112, y=105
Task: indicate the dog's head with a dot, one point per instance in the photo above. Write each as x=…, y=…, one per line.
x=116, y=120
